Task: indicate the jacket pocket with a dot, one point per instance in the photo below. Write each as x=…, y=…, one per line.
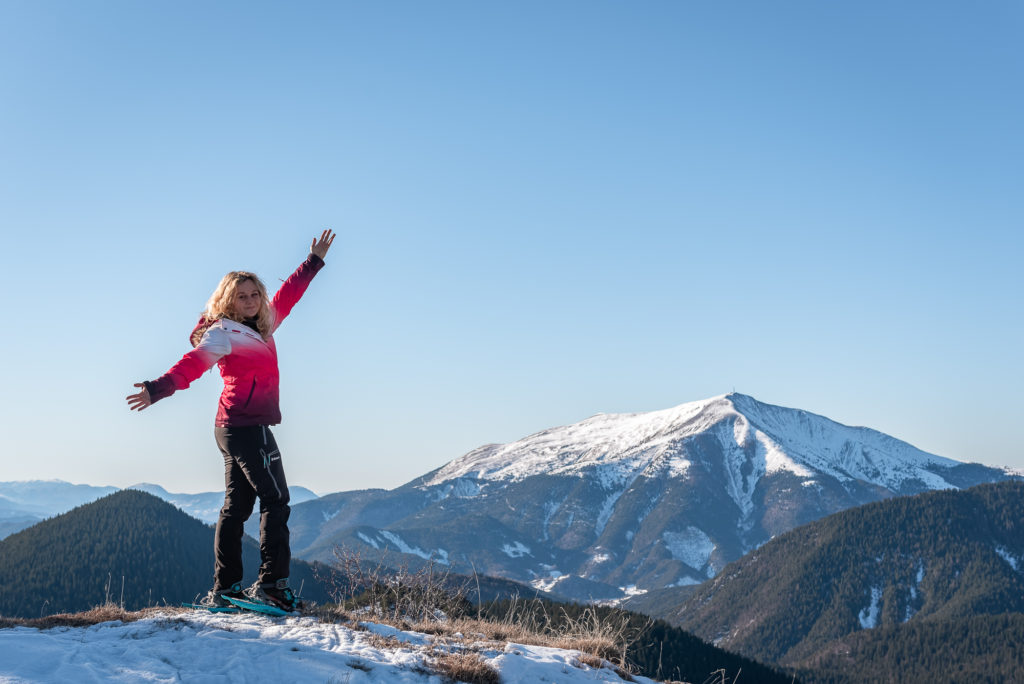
x=251, y=390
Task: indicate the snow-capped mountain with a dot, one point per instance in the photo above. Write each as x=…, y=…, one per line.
x=758, y=439
x=618, y=504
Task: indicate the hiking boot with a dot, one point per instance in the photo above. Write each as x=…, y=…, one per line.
x=277, y=594
x=215, y=597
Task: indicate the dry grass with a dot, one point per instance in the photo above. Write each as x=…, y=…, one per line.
x=599, y=663
x=429, y=602
x=385, y=643
x=466, y=667
x=105, y=613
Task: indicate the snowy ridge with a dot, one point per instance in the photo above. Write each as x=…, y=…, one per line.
x=758, y=439
x=203, y=647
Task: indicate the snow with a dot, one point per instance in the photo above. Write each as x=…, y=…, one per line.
x=460, y=488
x=206, y=648
x=691, y=546
x=549, y=583
x=550, y=508
x=626, y=442
x=372, y=542
x=439, y=555
x=869, y=616
x=1005, y=554
x=740, y=485
x=685, y=581
x=609, y=503
x=517, y=550
x=758, y=440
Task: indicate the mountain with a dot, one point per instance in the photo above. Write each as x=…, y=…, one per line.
x=129, y=542
x=47, y=497
x=619, y=504
x=924, y=585
x=206, y=505
x=23, y=504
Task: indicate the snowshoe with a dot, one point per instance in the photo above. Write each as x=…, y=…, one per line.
x=215, y=600
x=257, y=607
x=277, y=594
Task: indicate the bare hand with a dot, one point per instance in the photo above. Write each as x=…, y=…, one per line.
x=321, y=246
x=137, y=402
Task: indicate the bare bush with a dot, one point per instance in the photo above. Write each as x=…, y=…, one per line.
x=609, y=638
x=401, y=594
x=432, y=601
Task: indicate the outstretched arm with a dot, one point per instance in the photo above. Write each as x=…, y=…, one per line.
x=292, y=289
x=214, y=345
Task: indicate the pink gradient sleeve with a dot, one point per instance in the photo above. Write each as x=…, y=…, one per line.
x=191, y=367
x=292, y=289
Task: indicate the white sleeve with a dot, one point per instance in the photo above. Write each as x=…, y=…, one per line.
x=215, y=341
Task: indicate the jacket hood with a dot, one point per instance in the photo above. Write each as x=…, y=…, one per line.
x=201, y=327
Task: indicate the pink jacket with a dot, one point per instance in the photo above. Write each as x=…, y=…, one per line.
x=248, y=363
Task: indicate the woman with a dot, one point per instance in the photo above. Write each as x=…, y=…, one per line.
x=236, y=332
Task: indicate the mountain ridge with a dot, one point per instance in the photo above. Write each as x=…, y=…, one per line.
x=621, y=503
x=27, y=502
x=605, y=439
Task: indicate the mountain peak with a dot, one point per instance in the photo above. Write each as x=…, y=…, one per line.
x=773, y=438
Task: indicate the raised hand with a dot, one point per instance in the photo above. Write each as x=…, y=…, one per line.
x=137, y=402
x=321, y=246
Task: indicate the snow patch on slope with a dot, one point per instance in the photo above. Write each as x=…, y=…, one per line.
x=868, y=617
x=438, y=555
x=517, y=550
x=1005, y=554
x=691, y=546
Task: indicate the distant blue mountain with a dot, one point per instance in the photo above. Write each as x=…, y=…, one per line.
x=24, y=503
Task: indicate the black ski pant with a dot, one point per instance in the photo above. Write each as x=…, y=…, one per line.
x=252, y=468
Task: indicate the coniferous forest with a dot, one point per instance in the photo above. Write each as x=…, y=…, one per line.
x=129, y=548
x=910, y=588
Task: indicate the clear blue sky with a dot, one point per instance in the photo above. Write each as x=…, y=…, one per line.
x=546, y=210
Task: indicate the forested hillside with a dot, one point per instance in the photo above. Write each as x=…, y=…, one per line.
x=891, y=575
x=983, y=648
x=128, y=539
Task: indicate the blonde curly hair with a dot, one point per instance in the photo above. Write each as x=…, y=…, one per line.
x=222, y=301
